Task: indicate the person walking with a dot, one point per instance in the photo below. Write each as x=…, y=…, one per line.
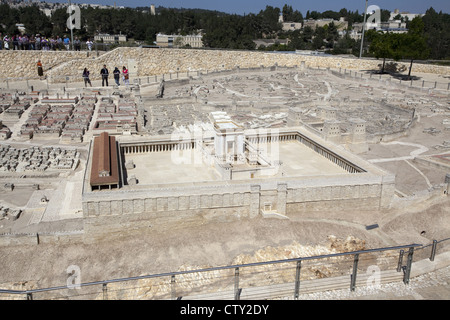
x=86, y=77
x=66, y=41
x=38, y=42
x=126, y=76
x=77, y=44
x=104, y=73
x=6, y=42
x=59, y=43
x=89, y=44
x=116, y=73
x=40, y=69
x=44, y=43
x=15, y=41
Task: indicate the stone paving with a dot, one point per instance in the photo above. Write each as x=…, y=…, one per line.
x=434, y=285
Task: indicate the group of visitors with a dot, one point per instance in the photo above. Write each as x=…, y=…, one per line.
x=104, y=72
x=41, y=42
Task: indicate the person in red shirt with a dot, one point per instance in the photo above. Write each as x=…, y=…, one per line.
x=40, y=69
x=126, y=76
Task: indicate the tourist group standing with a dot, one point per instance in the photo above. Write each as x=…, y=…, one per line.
x=104, y=72
x=41, y=42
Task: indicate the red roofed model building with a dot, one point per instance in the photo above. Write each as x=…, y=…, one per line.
x=105, y=166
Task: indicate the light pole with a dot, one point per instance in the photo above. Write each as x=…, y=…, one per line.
x=71, y=28
x=363, y=31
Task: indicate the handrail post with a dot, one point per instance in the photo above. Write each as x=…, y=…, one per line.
x=433, y=250
x=105, y=291
x=29, y=296
x=355, y=270
x=408, y=266
x=237, y=292
x=172, y=287
x=297, y=279
x=400, y=260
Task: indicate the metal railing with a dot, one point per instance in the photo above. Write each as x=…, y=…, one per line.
x=429, y=251
x=259, y=280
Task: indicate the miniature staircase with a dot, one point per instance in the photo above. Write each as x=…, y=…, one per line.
x=273, y=214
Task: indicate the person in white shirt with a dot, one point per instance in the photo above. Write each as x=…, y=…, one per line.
x=89, y=44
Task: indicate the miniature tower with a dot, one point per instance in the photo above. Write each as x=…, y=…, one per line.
x=358, y=130
x=229, y=139
x=332, y=131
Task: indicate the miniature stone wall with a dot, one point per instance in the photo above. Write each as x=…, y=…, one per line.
x=143, y=62
x=22, y=63
x=20, y=239
x=129, y=211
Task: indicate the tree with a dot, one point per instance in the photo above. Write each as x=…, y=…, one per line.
x=344, y=44
x=59, y=21
x=290, y=15
x=436, y=26
x=413, y=45
x=381, y=46
x=385, y=15
x=319, y=37
x=332, y=33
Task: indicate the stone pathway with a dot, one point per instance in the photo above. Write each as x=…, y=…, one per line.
x=430, y=286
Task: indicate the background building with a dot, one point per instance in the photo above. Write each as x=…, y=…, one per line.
x=110, y=38
x=170, y=41
x=313, y=24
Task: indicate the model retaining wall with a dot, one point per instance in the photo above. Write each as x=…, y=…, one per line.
x=141, y=62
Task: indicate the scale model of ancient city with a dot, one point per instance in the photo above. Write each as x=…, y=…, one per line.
x=207, y=157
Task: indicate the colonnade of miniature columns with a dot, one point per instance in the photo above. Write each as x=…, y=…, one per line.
x=317, y=148
x=158, y=147
x=187, y=145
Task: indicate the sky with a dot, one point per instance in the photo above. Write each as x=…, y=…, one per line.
x=253, y=6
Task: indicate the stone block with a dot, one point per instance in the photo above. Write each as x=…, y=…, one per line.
x=116, y=208
x=93, y=209
x=172, y=204
x=104, y=208
x=150, y=205
x=217, y=201
x=227, y=200
x=205, y=201
x=194, y=202
x=127, y=207
x=138, y=206
x=161, y=204
x=183, y=203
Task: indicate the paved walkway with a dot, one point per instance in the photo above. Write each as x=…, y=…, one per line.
x=429, y=281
